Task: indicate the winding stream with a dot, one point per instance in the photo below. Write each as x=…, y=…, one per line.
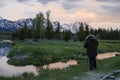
x=10, y=70
x=107, y=55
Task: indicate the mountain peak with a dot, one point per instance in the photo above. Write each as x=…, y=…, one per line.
x=10, y=26
x=1, y=18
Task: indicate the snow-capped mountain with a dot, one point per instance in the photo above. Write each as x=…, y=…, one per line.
x=11, y=26
x=21, y=22
x=8, y=26
x=74, y=27
x=1, y=18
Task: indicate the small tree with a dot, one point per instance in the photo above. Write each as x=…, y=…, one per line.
x=13, y=35
x=20, y=34
x=39, y=27
x=67, y=35
x=57, y=32
x=86, y=30
x=49, y=28
x=81, y=33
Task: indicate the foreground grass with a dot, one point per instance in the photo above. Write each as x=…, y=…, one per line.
x=43, y=52
x=104, y=66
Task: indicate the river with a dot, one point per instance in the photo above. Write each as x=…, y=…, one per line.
x=10, y=70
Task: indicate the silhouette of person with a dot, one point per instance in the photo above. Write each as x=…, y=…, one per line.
x=91, y=44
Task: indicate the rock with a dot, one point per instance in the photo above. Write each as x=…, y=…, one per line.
x=83, y=57
x=92, y=75
x=111, y=77
x=21, y=59
x=76, y=78
x=6, y=41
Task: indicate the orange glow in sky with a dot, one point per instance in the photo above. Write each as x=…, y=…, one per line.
x=94, y=12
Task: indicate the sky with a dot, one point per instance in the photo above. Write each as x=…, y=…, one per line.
x=97, y=13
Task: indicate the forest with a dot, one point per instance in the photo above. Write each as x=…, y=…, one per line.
x=46, y=32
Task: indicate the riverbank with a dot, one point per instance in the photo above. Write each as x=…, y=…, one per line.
x=78, y=72
x=45, y=52
x=62, y=51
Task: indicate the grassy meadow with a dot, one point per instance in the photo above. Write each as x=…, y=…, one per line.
x=45, y=52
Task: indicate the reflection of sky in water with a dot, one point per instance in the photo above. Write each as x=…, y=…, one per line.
x=10, y=70
x=60, y=65
x=106, y=55
x=4, y=49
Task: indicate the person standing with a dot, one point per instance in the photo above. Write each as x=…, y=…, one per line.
x=91, y=44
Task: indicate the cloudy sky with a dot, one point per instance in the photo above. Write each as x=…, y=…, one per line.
x=97, y=13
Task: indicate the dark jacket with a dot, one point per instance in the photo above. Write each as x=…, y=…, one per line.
x=91, y=45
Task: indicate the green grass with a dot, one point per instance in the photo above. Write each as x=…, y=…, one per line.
x=45, y=52
x=65, y=74
x=109, y=65
x=53, y=51
x=104, y=66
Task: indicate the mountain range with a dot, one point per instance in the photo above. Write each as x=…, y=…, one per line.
x=11, y=26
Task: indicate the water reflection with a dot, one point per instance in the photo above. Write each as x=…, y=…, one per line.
x=4, y=49
x=10, y=70
x=106, y=55
x=60, y=65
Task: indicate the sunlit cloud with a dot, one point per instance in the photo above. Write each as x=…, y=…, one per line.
x=105, y=25
x=93, y=12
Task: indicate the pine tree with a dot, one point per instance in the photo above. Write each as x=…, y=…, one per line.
x=81, y=33
x=20, y=34
x=86, y=30
x=57, y=32
x=49, y=28
x=33, y=29
x=67, y=35
x=118, y=34
x=39, y=27
x=111, y=33
x=29, y=33
x=13, y=35
x=25, y=30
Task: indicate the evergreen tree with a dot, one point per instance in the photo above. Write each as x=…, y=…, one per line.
x=49, y=28
x=67, y=35
x=75, y=36
x=20, y=34
x=33, y=29
x=92, y=31
x=25, y=30
x=57, y=32
x=39, y=27
x=13, y=35
x=81, y=33
x=86, y=30
x=111, y=33
x=29, y=33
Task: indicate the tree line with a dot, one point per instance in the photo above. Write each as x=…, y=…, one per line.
x=40, y=30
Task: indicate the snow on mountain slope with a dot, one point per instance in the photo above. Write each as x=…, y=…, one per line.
x=10, y=26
